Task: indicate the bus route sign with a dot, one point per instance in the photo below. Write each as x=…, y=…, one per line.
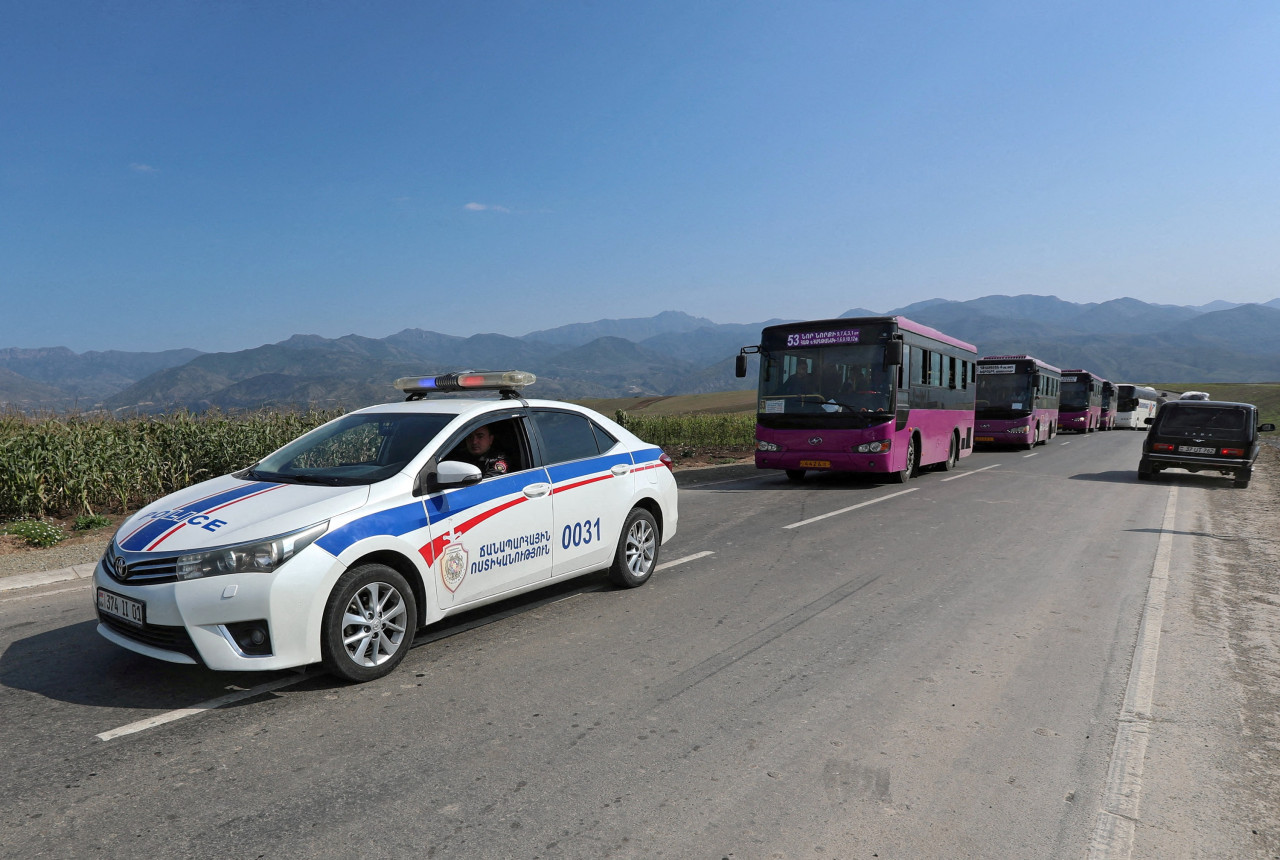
x=823, y=338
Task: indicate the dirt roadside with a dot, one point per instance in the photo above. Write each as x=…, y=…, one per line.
x=1211, y=785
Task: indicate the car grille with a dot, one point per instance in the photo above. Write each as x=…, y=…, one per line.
x=141, y=568
x=156, y=635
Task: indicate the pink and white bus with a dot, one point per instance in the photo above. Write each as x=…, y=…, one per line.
x=866, y=394
x=1080, y=408
x=1017, y=401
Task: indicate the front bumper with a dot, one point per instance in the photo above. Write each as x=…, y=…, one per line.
x=187, y=622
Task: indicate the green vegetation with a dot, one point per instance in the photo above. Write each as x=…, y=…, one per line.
x=1264, y=395
x=78, y=464
x=682, y=404
x=89, y=522
x=34, y=532
x=692, y=431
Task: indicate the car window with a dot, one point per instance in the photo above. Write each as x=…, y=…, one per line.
x=566, y=436
x=359, y=448
x=603, y=439
x=1228, y=419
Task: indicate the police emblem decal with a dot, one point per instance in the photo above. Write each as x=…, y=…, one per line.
x=453, y=567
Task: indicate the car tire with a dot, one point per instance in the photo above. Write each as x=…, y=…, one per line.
x=909, y=472
x=953, y=455
x=637, y=553
x=796, y=475
x=1241, y=480
x=369, y=623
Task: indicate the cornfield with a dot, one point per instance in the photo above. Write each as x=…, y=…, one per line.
x=72, y=465
x=68, y=465
x=732, y=430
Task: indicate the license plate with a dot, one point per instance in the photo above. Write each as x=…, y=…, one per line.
x=816, y=464
x=1189, y=449
x=984, y=438
x=133, y=611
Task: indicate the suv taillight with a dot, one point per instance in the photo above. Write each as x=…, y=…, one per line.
x=1233, y=452
x=1161, y=446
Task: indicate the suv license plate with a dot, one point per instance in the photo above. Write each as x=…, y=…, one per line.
x=1190, y=449
x=132, y=611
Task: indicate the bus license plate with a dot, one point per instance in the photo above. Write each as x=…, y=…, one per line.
x=815, y=464
x=132, y=611
x=984, y=438
x=1189, y=449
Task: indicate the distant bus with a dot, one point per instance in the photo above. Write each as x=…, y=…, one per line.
x=868, y=394
x=1134, y=405
x=1107, y=419
x=1080, y=408
x=1017, y=401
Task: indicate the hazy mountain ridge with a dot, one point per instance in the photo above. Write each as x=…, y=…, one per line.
x=669, y=353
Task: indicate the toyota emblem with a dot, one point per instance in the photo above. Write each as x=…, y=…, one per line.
x=121, y=569
x=815, y=440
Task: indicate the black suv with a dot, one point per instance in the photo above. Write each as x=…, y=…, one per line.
x=1203, y=436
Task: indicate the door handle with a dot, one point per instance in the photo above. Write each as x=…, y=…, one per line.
x=620, y=469
x=537, y=491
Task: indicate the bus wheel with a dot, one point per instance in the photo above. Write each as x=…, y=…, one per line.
x=910, y=471
x=953, y=456
x=796, y=475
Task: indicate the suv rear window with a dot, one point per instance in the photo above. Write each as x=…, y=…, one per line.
x=1226, y=421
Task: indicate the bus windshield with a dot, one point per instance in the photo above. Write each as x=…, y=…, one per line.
x=846, y=378
x=1004, y=395
x=1075, y=395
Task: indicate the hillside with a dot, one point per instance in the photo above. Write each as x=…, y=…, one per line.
x=668, y=355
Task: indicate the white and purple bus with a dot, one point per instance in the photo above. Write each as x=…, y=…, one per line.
x=866, y=394
x=1017, y=401
x=1135, y=404
x=1080, y=408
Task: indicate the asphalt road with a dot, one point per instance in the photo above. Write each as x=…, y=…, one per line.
x=852, y=669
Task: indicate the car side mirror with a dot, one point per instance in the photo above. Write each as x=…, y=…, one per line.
x=740, y=366
x=450, y=473
x=1148, y=420
x=1266, y=428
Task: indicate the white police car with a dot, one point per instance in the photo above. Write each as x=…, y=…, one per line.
x=340, y=545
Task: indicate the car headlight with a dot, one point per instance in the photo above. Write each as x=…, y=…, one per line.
x=261, y=556
x=762, y=445
x=874, y=447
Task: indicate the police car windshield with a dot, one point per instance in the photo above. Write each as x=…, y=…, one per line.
x=362, y=448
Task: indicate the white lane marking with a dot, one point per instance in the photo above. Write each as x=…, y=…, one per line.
x=674, y=562
x=1068, y=442
x=972, y=471
x=1117, y=820
x=850, y=508
x=1032, y=454
x=764, y=474
x=212, y=704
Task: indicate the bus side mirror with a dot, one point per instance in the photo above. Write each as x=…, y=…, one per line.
x=740, y=366
x=892, y=353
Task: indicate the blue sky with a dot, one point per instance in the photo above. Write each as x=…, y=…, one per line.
x=224, y=174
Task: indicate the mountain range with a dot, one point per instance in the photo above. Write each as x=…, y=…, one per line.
x=670, y=353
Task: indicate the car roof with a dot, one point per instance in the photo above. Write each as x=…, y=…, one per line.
x=467, y=405
x=1202, y=404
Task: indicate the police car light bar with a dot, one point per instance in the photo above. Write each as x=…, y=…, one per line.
x=467, y=380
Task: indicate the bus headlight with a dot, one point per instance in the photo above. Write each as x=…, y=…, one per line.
x=257, y=557
x=762, y=445
x=874, y=447
x=1023, y=429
